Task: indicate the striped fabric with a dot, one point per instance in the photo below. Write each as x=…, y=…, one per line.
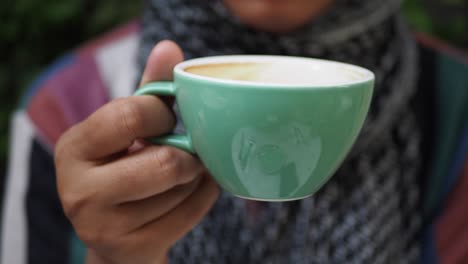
x=34, y=229
x=444, y=70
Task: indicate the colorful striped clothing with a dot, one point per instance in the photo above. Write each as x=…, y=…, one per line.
x=35, y=229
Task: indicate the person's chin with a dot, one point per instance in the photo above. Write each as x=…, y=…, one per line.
x=274, y=25
x=276, y=16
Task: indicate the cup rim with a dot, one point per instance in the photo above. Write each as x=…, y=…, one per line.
x=368, y=76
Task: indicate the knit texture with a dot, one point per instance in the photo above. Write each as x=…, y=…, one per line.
x=369, y=211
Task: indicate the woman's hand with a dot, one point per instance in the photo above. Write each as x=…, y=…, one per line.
x=129, y=203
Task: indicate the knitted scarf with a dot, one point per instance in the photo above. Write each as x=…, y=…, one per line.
x=368, y=211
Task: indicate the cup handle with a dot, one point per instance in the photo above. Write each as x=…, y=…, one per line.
x=166, y=88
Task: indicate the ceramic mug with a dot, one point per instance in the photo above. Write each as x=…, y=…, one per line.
x=277, y=134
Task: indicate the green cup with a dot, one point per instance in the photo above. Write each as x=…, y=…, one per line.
x=270, y=128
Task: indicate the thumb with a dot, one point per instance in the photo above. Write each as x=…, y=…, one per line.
x=162, y=59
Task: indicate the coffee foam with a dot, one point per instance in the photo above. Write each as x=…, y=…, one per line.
x=283, y=72
x=247, y=71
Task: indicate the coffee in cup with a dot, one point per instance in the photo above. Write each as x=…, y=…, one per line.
x=278, y=72
x=270, y=128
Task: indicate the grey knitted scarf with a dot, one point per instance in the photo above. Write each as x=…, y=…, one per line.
x=368, y=211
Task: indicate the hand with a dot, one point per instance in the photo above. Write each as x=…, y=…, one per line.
x=129, y=203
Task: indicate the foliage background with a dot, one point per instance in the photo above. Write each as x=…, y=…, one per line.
x=34, y=33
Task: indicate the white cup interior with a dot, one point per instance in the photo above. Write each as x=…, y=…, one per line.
x=286, y=71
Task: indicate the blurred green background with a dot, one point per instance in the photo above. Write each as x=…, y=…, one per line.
x=33, y=33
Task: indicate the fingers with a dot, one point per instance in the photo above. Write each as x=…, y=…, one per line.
x=183, y=218
x=126, y=199
x=142, y=174
x=161, y=61
x=160, y=64
x=114, y=127
x=145, y=211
